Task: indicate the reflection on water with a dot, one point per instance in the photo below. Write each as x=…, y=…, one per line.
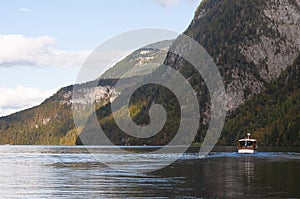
x=72, y=172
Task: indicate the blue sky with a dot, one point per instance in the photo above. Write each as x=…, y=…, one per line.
x=43, y=43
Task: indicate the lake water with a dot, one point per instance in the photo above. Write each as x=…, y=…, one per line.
x=73, y=172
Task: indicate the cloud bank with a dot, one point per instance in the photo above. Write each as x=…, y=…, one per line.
x=20, y=98
x=169, y=3
x=17, y=50
x=24, y=10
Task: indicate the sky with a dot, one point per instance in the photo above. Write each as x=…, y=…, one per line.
x=43, y=44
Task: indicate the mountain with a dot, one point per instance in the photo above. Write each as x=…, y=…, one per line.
x=255, y=45
x=52, y=123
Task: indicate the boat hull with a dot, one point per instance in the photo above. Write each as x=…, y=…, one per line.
x=246, y=151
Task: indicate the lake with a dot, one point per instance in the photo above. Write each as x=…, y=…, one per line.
x=74, y=172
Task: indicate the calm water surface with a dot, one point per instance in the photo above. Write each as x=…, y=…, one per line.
x=73, y=172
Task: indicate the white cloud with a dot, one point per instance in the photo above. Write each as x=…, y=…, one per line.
x=20, y=98
x=24, y=10
x=169, y=3
x=17, y=50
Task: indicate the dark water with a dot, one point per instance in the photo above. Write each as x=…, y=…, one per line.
x=72, y=172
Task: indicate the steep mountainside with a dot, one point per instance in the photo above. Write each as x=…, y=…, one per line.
x=273, y=117
x=253, y=43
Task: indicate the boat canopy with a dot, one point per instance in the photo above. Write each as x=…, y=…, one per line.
x=246, y=139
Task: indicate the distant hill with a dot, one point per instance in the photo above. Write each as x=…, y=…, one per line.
x=47, y=123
